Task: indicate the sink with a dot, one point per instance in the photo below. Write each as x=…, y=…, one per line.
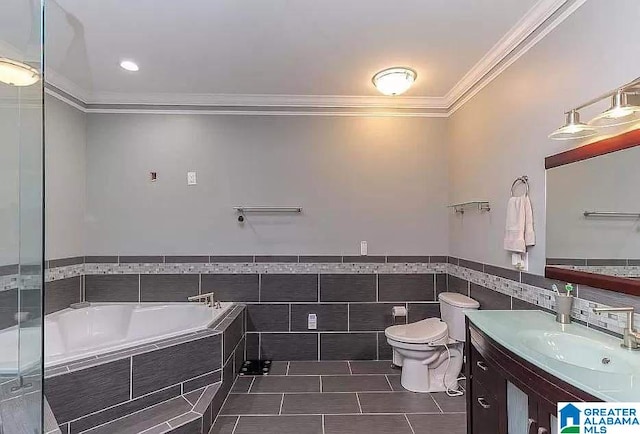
x=582, y=352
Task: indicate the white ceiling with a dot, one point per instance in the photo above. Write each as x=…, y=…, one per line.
x=237, y=48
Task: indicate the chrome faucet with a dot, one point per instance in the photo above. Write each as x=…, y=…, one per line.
x=209, y=299
x=631, y=337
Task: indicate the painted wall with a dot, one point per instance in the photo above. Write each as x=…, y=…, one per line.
x=65, y=189
x=9, y=186
x=383, y=180
x=20, y=175
x=501, y=133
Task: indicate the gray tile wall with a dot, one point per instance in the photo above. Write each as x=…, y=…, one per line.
x=348, y=294
x=351, y=309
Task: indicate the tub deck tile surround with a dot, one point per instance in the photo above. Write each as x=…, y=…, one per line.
x=177, y=385
x=288, y=401
x=67, y=394
x=174, y=364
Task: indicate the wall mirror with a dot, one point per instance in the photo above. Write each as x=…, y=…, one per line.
x=593, y=214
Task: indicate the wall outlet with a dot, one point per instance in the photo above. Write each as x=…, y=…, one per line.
x=363, y=248
x=191, y=178
x=312, y=322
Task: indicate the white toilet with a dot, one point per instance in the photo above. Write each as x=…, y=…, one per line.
x=431, y=351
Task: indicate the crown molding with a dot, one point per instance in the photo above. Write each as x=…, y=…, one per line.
x=59, y=82
x=258, y=111
x=539, y=21
x=556, y=16
x=527, y=25
x=244, y=100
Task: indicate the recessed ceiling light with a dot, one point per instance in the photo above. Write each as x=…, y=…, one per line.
x=129, y=65
x=394, y=81
x=17, y=73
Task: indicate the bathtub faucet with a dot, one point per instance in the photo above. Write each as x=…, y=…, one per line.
x=209, y=299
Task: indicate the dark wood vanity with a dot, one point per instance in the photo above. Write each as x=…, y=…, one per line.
x=489, y=368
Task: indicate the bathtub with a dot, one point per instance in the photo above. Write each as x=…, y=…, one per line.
x=74, y=334
x=19, y=350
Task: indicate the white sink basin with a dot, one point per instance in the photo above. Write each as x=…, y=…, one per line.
x=582, y=351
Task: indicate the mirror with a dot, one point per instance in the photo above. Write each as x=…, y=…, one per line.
x=593, y=212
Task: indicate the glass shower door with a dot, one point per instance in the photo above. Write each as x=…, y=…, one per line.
x=21, y=217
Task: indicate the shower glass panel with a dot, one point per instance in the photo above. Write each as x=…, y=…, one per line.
x=21, y=217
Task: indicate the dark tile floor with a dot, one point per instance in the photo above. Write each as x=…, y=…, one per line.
x=359, y=397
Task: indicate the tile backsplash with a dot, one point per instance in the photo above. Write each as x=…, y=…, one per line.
x=351, y=295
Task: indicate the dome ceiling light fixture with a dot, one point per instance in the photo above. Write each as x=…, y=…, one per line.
x=17, y=73
x=620, y=113
x=394, y=81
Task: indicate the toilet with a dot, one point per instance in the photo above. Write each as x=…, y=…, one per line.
x=430, y=351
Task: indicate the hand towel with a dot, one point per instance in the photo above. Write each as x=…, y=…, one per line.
x=519, y=232
x=529, y=232
x=514, y=232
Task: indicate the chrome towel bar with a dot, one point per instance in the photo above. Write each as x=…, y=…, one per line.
x=611, y=214
x=243, y=209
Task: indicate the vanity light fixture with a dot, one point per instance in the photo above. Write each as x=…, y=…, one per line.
x=17, y=73
x=129, y=66
x=394, y=81
x=573, y=128
x=620, y=112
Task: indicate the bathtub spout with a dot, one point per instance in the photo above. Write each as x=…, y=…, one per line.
x=208, y=298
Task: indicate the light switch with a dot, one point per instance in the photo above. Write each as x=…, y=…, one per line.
x=363, y=248
x=191, y=178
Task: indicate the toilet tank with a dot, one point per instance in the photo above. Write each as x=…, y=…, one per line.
x=452, y=305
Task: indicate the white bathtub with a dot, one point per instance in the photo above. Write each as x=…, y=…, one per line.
x=16, y=342
x=74, y=334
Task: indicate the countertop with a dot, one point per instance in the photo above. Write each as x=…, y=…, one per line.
x=512, y=330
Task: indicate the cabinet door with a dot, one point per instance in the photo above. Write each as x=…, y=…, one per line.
x=485, y=410
x=547, y=418
x=542, y=417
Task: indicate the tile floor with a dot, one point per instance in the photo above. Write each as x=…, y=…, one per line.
x=336, y=398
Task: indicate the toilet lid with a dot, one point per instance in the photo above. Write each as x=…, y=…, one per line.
x=458, y=300
x=421, y=332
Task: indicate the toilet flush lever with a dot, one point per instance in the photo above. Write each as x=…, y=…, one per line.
x=482, y=366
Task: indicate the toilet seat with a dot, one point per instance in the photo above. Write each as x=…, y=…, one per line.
x=428, y=331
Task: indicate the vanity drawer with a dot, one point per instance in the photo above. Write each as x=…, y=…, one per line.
x=484, y=373
x=486, y=413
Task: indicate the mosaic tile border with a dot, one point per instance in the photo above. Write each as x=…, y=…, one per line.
x=67, y=272
x=629, y=271
x=9, y=282
x=582, y=309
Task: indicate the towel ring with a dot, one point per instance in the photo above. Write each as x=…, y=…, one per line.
x=524, y=180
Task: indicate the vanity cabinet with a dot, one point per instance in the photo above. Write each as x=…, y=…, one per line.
x=501, y=385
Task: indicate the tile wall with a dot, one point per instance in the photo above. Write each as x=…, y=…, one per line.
x=352, y=296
